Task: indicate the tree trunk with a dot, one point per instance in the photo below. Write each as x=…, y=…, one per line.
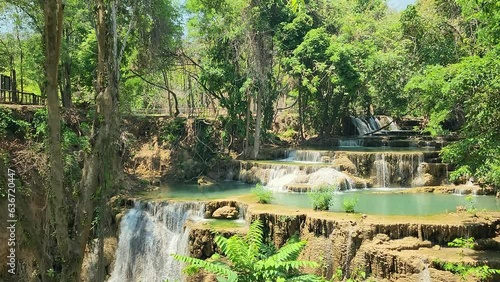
x=258, y=122
x=102, y=164
x=53, y=12
x=247, y=127
x=66, y=77
x=259, y=40
x=170, y=92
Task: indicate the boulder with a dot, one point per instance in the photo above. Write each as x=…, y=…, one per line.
x=226, y=212
x=343, y=163
x=426, y=179
x=205, y=181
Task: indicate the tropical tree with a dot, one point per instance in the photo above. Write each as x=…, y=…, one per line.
x=246, y=260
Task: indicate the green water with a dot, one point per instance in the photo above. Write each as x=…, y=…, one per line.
x=387, y=203
x=194, y=192
x=370, y=201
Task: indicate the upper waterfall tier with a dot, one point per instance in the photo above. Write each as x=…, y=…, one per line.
x=347, y=169
x=393, y=139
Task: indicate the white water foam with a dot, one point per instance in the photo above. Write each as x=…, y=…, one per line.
x=319, y=177
x=149, y=234
x=304, y=156
x=351, y=143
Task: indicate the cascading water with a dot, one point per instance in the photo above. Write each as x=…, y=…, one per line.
x=363, y=127
x=393, y=126
x=351, y=143
x=425, y=275
x=398, y=169
x=303, y=156
x=382, y=168
x=149, y=234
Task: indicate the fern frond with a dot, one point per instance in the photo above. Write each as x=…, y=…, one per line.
x=254, y=239
x=295, y=264
x=235, y=249
x=215, y=268
x=289, y=252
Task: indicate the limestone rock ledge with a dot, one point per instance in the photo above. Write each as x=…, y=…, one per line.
x=387, y=250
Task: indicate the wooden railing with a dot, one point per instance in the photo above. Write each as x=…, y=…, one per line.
x=22, y=98
x=183, y=112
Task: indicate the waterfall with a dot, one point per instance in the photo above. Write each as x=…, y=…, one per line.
x=398, y=169
x=351, y=143
x=425, y=275
x=149, y=234
x=374, y=123
x=382, y=168
x=303, y=156
x=281, y=175
x=393, y=126
x=360, y=125
x=364, y=126
x=281, y=178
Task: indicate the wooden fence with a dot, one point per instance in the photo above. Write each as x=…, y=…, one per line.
x=22, y=98
x=8, y=94
x=183, y=112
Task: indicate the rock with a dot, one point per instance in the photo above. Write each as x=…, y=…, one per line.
x=425, y=180
x=226, y=212
x=436, y=247
x=461, y=209
x=205, y=181
x=343, y=163
x=382, y=237
x=361, y=183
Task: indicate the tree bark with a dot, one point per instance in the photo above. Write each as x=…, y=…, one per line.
x=101, y=165
x=66, y=77
x=53, y=13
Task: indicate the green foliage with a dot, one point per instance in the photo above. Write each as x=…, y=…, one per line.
x=470, y=204
x=460, y=174
x=173, y=131
x=358, y=274
x=322, y=197
x=40, y=124
x=349, y=204
x=247, y=263
x=10, y=125
x=264, y=196
x=483, y=273
x=467, y=243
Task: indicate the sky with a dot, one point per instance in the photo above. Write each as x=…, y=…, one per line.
x=399, y=5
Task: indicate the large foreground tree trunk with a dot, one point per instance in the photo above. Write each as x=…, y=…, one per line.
x=101, y=164
x=53, y=13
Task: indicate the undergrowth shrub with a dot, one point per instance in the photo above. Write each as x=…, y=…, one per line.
x=248, y=259
x=264, y=196
x=173, y=130
x=349, y=204
x=322, y=197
